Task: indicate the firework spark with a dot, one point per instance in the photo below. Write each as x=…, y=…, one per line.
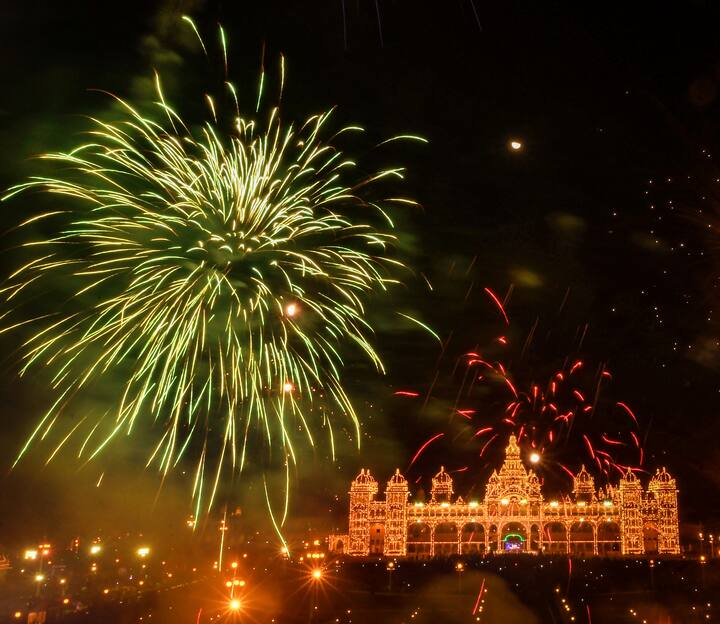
x=220, y=272
x=568, y=413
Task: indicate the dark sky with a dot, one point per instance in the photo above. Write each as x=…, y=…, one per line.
x=603, y=227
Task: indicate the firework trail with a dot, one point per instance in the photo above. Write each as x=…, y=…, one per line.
x=567, y=414
x=220, y=272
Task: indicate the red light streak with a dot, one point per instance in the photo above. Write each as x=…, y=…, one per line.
x=498, y=303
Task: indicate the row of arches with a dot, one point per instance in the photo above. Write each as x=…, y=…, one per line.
x=579, y=538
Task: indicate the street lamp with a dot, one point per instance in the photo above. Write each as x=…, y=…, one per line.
x=390, y=568
x=315, y=577
x=459, y=568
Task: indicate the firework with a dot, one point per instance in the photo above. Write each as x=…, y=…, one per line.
x=219, y=272
x=567, y=413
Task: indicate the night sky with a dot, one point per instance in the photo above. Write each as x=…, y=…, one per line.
x=603, y=228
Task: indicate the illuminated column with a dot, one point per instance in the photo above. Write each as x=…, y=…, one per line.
x=631, y=521
x=663, y=486
x=432, y=539
x=568, y=525
x=595, y=534
x=396, y=495
x=362, y=492
x=487, y=538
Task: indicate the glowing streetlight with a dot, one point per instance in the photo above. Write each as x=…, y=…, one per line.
x=459, y=568
x=534, y=458
x=143, y=552
x=390, y=568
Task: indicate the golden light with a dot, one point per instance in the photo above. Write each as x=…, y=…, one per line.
x=288, y=387
x=143, y=551
x=317, y=574
x=235, y=604
x=63, y=581
x=66, y=600
x=291, y=309
x=459, y=566
x=234, y=565
x=30, y=554
x=515, y=145
x=18, y=615
x=106, y=591
x=95, y=549
x=228, y=583
x=39, y=578
x=401, y=515
x=534, y=458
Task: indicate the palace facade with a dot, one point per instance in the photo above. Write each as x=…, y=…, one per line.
x=513, y=516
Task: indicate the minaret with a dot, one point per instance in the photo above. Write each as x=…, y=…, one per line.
x=442, y=487
x=396, y=495
x=362, y=493
x=584, y=486
x=631, y=520
x=664, y=488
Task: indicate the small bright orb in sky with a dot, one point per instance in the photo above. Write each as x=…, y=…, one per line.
x=515, y=145
x=288, y=387
x=291, y=309
x=534, y=458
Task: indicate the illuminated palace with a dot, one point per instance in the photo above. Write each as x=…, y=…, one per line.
x=514, y=516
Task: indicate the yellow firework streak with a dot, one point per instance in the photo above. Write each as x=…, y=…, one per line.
x=227, y=268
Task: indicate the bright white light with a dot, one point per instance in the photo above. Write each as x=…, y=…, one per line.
x=235, y=604
x=534, y=458
x=288, y=387
x=515, y=145
x=291, y=309
x=504, y=501
x=143, y=551
x=95, y=549
x=554, y=503
x=30, y=554
x=317, y=573
x=39, y=578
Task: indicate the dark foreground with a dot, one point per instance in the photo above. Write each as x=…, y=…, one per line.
x=508, y=589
